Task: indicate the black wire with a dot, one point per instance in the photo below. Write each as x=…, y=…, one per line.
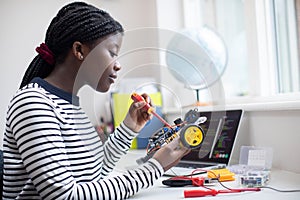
x=265, y=187
x=198, y=173
x=224, y=185
x=277, y=190
x=186, y=175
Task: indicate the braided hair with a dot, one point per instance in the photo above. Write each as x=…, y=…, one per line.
x=77, y=21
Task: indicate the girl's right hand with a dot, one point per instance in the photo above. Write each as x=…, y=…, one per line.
x=137, y=117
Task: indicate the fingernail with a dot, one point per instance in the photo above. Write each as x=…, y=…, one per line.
x=148, y=99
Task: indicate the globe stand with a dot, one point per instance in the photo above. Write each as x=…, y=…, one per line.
x=198, y=102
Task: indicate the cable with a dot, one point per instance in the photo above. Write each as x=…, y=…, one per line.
x=213, y=192
x=202, y=171
x=261, y=187
x=278, y=190
x=224, y=186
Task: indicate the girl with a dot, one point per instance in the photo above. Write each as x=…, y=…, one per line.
x=51, y=150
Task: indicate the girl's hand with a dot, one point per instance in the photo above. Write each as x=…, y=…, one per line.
x=137, y=117
x=170, y=154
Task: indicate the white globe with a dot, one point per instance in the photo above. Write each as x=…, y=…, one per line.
x=197, y=57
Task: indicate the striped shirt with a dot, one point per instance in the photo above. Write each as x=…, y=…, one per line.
x=52, y=151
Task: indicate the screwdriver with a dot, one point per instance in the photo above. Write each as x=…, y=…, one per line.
x=138, y=98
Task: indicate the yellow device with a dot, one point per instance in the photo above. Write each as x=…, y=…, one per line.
x=222, y=174
x=191, y=136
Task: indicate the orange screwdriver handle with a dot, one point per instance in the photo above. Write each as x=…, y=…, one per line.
x=138, y=98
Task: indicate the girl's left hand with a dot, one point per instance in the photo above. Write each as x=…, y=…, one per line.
x=137, y=117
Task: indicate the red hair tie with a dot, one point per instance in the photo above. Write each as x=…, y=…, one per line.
x=46, y=53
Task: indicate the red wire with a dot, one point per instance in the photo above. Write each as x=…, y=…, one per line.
x=214, y=192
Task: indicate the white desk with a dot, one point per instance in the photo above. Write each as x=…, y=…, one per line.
x=279, y=179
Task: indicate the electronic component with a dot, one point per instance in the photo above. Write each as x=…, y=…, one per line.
x=254, y=178
x=190, y=133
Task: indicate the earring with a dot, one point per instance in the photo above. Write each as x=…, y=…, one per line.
x=81, y=57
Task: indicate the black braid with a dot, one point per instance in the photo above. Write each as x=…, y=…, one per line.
x=77, y=21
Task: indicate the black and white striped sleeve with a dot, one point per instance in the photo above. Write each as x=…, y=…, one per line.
x=122, y=186
x=117, y=145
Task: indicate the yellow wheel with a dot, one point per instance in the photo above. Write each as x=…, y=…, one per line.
x=192, y=136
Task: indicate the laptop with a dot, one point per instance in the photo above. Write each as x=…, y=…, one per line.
x=221, y=128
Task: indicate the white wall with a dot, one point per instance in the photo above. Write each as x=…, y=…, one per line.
x=23, y=26
x=279, y=129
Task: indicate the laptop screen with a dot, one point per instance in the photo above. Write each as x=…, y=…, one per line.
x=221, y=129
